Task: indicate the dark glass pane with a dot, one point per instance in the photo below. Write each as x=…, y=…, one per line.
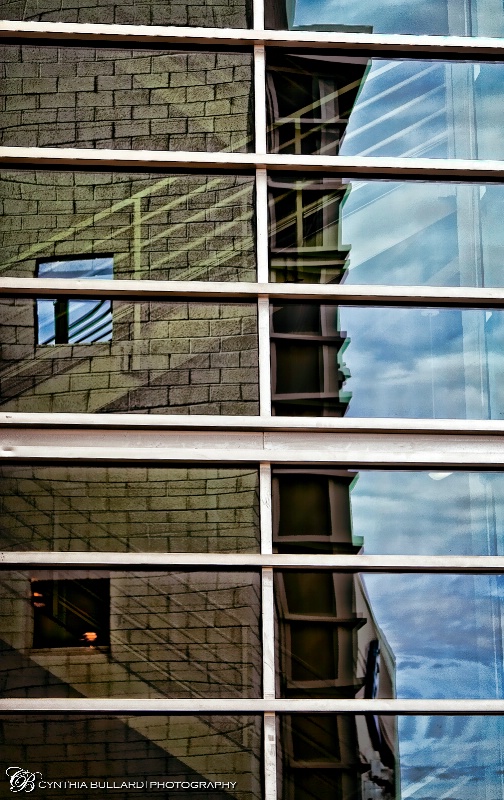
x=334, y=105
x=332, y=230
x=384, y=757
x=391, y=636
x=164, y=358
x=324, y=756
x=133, y=756
x=397, y=362
x=207, y=14
x=157, y=227
x=442, y=17
x=129, y=509
x=387, y=512
x=158, y=634
x=126, y=99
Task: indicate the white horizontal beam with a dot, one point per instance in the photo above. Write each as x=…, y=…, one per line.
x=415, y=450
x=156, y=34
x=233, y=291
x=425, y=168
x=353, y=563
x=226, y=424
x=94, y=705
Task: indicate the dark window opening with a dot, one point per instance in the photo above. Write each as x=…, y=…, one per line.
x=70, y=613
x=65, y=321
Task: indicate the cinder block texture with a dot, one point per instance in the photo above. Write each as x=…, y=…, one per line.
x=125, y=99
x=136, y=749
x=172, y=634
x=164, y=358
x=133, y=508
x=178, y=227
x=205, y=14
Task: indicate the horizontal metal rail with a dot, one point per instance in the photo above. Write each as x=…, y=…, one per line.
x=93, y=705
x=225, y=424
x=391, y=450
x=402, y=168
x=342, y=563
x=247, y=291
x=403, y=44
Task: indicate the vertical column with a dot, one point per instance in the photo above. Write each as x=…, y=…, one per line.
x=268, y=633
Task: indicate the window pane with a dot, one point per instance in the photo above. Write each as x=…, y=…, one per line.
x=474, y=18
x=159, y=634
x=393, y=362
x=207, y=14
x=157, y=227
x=129, y=509
x=164, y=358
x=141, y=749
x=347, y=635
x=388, y=512
x=143, y=99
x=332, y=105
x=420, y=757
x=332, y=230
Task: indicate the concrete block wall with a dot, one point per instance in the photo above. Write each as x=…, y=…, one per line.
x=207, y=14
x=172, y=634
x=138, y=748
x=136, y=508
x=155, y=226
x=125, y=99
x=164, y=358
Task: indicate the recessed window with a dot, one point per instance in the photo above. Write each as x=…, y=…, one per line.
x=70, y=613
x=64, y=321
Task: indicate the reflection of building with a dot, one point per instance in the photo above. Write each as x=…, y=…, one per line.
x=329, y=646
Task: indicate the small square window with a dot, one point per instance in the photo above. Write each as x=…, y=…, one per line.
x=65, y=321
x=71, y=613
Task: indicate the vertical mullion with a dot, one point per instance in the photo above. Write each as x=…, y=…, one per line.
x=258, y=15
x=265, y=506
x=260, y=98
x=268, y=633
x=263, y=319
x=270, y=756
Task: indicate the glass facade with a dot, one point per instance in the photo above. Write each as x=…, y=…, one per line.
x=205, y=589
x=154, y=227
x=435, y=234
x=334, y=105
x=126, y=99
x=160, y=358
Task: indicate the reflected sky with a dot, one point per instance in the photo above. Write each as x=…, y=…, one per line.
x=454, y=758
x=399, y=16
x=444, y=630
x=423, y=363
x=421, y=513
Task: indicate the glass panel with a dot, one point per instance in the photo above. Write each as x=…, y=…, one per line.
x=392, y=362
x=129, y=509
x=164, y=358
x=126, y=99
x=124, y=634
x=349, y=635
x=157, y=227
x=388, y=512
x=150, y=754
x=339, y=105
x=333, y=230
x=472, y=18
x=365, y=757
x=206, y=14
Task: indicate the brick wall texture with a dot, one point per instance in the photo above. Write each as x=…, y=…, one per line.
x=207, y=14
x=126, y=99
x=185, y=227
x=164, y=358
x=158, y=748
x=134, y=508
x=176, y=634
